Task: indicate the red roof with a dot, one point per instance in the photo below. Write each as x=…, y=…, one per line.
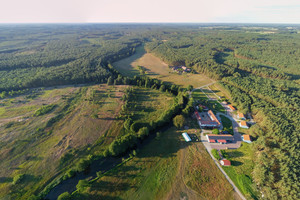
x=225, y=162
x=222, y=141
x=231, y=107
x=197, y=115
x=212, y=141
x=213, y=117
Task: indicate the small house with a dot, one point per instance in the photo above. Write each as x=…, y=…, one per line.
x=186, y=137
x=231, y=107
x=222, y=139
x=243, y=124
x=246, y=138
x=225, y=162
x=241, y=116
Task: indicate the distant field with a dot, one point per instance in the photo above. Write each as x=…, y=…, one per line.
x=148, y=104
x=166, y=168
x=156, y=68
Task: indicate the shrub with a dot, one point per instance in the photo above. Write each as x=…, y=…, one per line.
x=215, y=153
x=82, y=184
x=82, y=165
x=44, y=110
x=215, y=131
x=64, y=196
x=18, y=178
x=178, y=121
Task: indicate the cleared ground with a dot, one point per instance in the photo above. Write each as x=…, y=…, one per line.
x=35, y=146
x=156, y=68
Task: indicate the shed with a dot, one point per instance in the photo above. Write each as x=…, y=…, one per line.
x=225, y=162
x=186, y=137
x=243, y=124
x=241, y=116
x=231, y=107
x=246, y=138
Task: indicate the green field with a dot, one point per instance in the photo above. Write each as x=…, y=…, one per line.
x=227, y=124
x=36, y=147
x=199, y=96
x=156, y=68
x=147, y=104
x=163, y=170
x=241, y=169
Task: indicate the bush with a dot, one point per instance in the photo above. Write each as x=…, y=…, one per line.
x=215, y=131
x=215, y=153
x=44, y=110
x=18, y=178
x=64, y=196
x=82, y=184
x=82, y=165
x=178, y=121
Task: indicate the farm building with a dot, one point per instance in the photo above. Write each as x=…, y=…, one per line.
x=241, y=116
x=225, y=162
x=243, y=124
x=231, y=107
x=246, y=138
x=186, y=137
x=208, y=120
x=222, y=139
x=203, y=107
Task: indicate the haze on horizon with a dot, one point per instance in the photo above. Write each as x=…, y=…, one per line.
x=114, y=11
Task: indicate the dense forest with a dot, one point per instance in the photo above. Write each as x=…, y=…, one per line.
x=261, y=71
x=257, y=64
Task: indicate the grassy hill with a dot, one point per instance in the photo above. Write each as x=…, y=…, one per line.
x=36, y=146
x=166, y=168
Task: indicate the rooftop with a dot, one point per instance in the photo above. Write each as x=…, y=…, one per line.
x=243, y=123
x=219, y=137
x=247, y=137
x=241, y=115
x=231, y=107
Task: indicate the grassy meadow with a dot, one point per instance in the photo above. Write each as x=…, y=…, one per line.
x=241, y=169
x=166, y=168
x=36, y=146
x=156, y=68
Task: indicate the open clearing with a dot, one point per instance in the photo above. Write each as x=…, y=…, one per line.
x=156, y=68
x=166, y=168
x=35, y=146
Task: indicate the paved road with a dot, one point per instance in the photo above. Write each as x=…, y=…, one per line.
x=190, y=94
x=208, y=148
x=237, y=138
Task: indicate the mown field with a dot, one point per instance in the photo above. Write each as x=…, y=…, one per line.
x=241, y=169
x=34, y=144
x=166, y=168
x=156, y=68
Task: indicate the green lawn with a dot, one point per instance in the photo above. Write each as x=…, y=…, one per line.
x=36, y=148
x=241, y=169
x=149, y=175
x=227, y=124
x=200, y=96
x=147, y=104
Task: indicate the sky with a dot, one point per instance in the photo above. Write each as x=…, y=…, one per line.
x=150, y=11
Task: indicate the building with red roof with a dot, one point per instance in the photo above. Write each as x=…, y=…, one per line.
x=225, y=162
x=231, y=107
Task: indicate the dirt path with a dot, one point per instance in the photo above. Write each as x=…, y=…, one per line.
x=179, y=189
